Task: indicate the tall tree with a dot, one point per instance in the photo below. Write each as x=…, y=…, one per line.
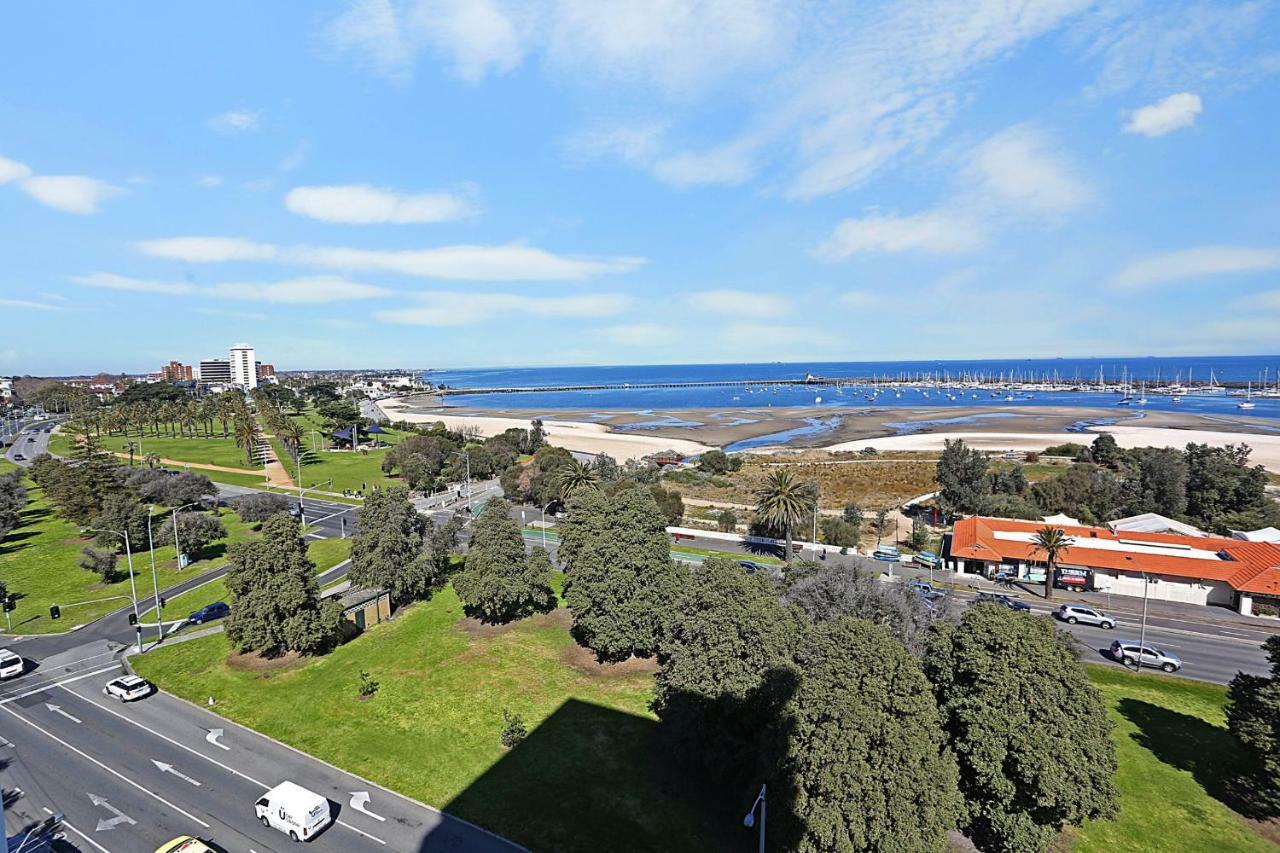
x=121, y=513
x=730, y=645
x=864, y=761
x=275, y=602
x=620, y=581
x=782, y=502
x=246, y=435
x=576, y=477
x=1253, y=717
x=1050, y=541
x=962, y=474
x=498, y=580
x=1030, y=730
x=387, y=550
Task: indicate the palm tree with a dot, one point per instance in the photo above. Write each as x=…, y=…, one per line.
x=576, y=477
x=152, y=459
x=291, y=434
x=783, y=502
x=1052, y=541
x=131, y=446
x=246, y=432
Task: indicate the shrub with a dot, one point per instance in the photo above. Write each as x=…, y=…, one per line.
x=368, y=684
x=258, y=508
x=513, y=729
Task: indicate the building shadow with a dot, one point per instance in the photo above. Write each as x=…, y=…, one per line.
x=587, y=778
x=1208, y=752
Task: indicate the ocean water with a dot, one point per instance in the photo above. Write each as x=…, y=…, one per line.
x=1230, y=369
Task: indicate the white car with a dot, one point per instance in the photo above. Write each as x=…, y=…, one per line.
x=128, y=688
x=11, y=665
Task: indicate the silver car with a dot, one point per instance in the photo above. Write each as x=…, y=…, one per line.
x=1129, y=653
x=1073, y=613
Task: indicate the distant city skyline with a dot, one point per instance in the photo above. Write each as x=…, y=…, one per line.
x=391, y=182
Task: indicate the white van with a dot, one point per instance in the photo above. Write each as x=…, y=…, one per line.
x=293, y=810
x=11, y=665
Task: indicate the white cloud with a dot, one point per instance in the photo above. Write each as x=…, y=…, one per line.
x=738, y=303
x=26, y=303
x=511, y=262
x=295, y=158
x=235, y=121
x=234, y=315
x=111, y=281
x=69, y=193
x=209, y=181
x=1267, y=300
x=640, y=334
x=932, y=231
x=762, y=338
x=1200, y=262
x=1020, y=168
x=313, y=290
x=441, y=308
x=12, y=170
x=361, y=204
x=1173, y=113
x=57, y=297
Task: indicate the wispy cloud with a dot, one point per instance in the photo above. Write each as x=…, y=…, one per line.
x=439, y=308
x=361, y=204
x=295, y=158
x=12, y=170
x=738, y=303
x=111, y=281
x=1199, y=262
x=932, y=231
x=26, y=303
x=1172, y=113
x=235, y=121
x=69, y=193
x=313, y=290
x=1021, y=169
x=209, y=181
x=255, y=316
x=640, y=334
x=510, y=262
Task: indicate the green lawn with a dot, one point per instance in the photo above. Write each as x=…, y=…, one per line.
x=40, y=563
x=203, y=451
x=325, y=553
x=587, y=776
x=1175, y=759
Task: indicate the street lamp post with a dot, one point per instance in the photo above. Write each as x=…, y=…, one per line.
x=750, y=820
x=133, y=587
x=466, y=457
x=1142, y=636
x=302, y=511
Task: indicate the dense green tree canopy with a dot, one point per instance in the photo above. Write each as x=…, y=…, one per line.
x=1253, y=716
x=620, y=581
x=1030, y=731
x=387, y=550
x=864, y=762
x=260, y=507
x=962, y=474
x=121, y=513
x=196, y=530
x=498, y=580
x=275, y=602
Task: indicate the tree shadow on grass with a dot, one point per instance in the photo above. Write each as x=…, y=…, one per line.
x=587, y=778
x=1208, y=752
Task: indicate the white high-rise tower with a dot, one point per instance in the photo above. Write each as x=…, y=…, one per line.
x=244, y=366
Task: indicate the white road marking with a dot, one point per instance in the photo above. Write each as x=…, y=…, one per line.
x=214, y=761
x=112, y=822
x=49, y=685
x=212, y=737
x=168, y=768
x=57, y=709
x=358, y=801
x=68, y=825
x=113, y=772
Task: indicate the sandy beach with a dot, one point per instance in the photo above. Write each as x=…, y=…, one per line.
x=629, y=434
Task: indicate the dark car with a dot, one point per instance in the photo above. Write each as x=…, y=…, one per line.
x=750, y=567
x=1003, y=600
x=295, y=510
x=209, y=612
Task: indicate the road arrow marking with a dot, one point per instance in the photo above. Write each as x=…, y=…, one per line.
x=168, y=768
x=57, y=709
x=112, y=822
x=213, y=736
x=358, y=800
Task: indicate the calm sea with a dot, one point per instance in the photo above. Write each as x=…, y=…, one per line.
x=1231, y=369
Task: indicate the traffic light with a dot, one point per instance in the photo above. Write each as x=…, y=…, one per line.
x=55, y=612
x=9, y=604
x=162, y=603
x=133, y=618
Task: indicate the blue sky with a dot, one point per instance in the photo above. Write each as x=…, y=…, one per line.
x=433, y=183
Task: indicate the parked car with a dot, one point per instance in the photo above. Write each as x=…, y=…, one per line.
x=18, y=457
x=128, y=688
x=293, y=810
x=295, y=510
x=922, y=587
x=11, y=665
x=1129, y=653
x=1073, y=613
x=188, y=844
x=1003, y=600
x=209, y=612
x=750, y=567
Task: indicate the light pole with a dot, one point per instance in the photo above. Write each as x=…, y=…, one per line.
x=302, y=511
x=750, y=820
x=133, y=587
x=466, y=457
x=177, y=546
x=1142, y=636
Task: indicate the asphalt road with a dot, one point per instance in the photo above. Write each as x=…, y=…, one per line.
x=39, y=443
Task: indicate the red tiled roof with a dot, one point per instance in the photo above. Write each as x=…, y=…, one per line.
x=1247, y=566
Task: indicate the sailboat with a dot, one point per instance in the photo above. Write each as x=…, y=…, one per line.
x=1247, y=402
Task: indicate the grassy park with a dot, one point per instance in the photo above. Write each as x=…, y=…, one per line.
x=196, y=449
x=445, y=682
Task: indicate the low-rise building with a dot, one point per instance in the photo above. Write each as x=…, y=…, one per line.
x=176, y=371
x=1166, y=566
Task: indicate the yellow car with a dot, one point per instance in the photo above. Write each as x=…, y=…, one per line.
x=186, y=844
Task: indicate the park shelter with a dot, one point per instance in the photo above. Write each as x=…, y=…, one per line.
x=364, y=606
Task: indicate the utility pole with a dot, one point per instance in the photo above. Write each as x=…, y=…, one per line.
x=1142, y=637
